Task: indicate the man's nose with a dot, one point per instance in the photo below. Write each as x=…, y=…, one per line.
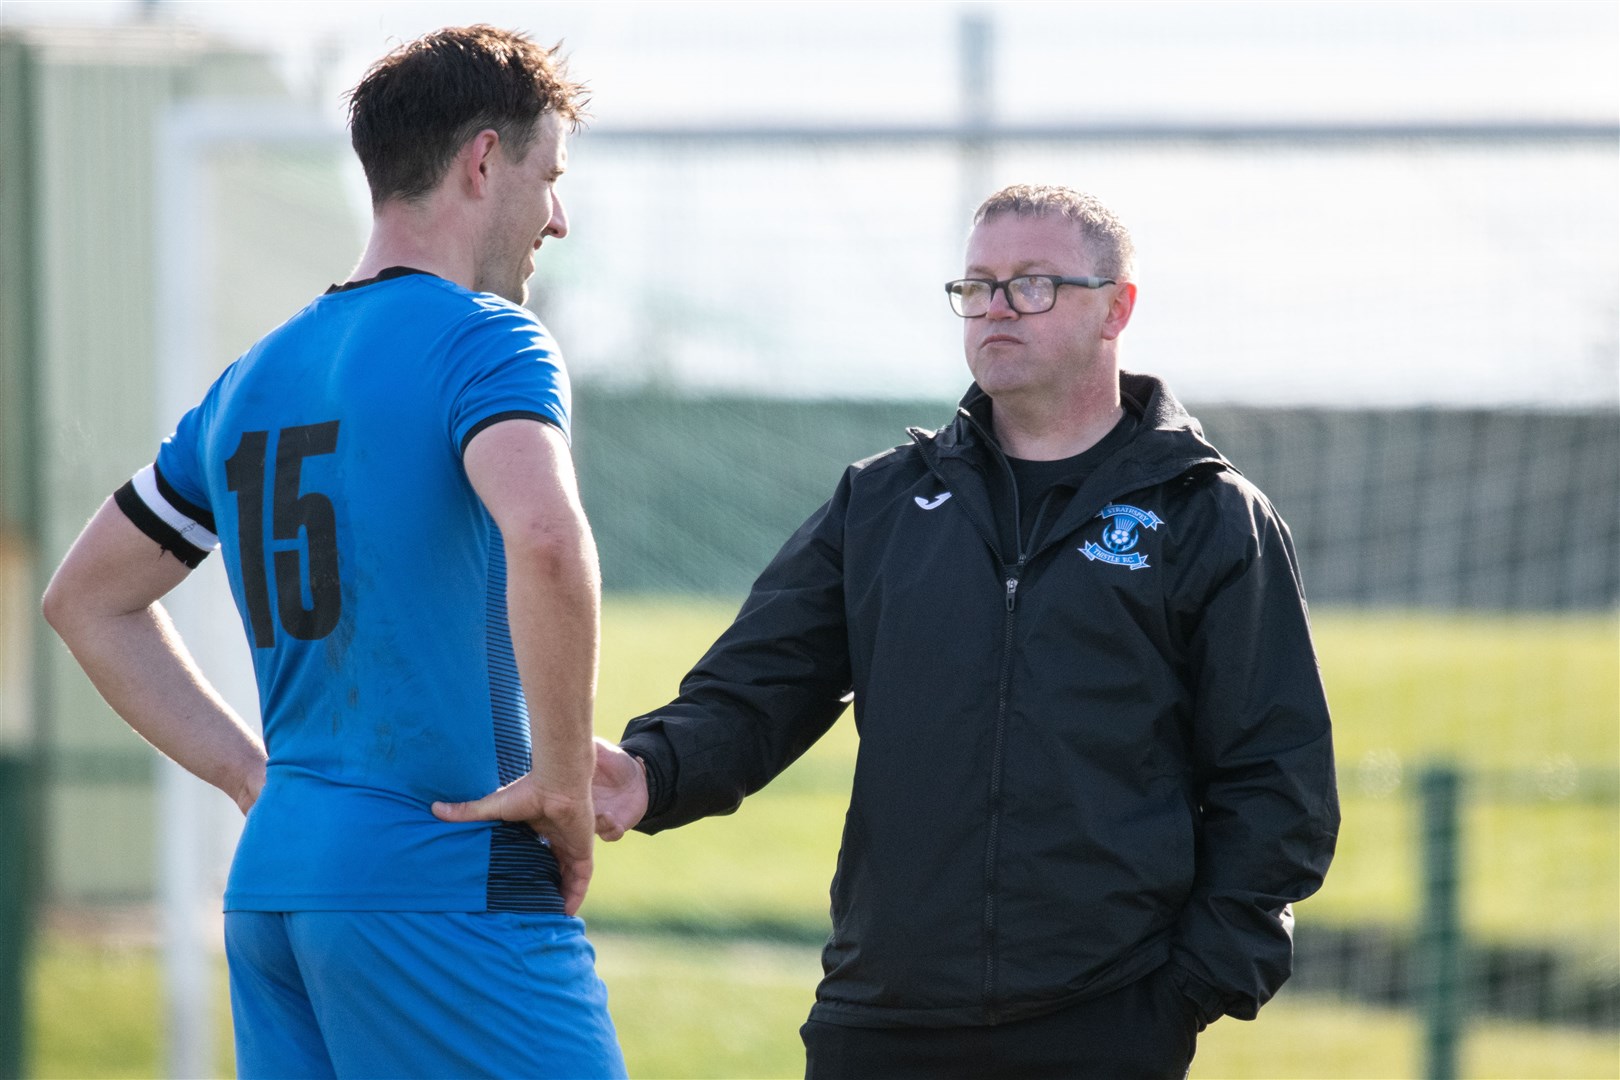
x=558, y=225
x=999, y=307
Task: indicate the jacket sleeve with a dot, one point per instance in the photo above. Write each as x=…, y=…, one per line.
x=1263, y=764
x=771, y=685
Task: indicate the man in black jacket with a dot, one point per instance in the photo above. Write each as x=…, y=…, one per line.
x=1095, y=765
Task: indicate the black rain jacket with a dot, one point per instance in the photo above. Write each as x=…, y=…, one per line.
x=1076, y=762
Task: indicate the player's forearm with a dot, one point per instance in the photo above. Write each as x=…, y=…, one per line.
x=554, y=610
x=144, y=671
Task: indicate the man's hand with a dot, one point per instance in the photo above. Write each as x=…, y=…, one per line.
x=564, y=821
x=619, y=790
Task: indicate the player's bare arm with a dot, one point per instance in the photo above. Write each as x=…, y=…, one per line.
x=103, y=601
x=524, y=474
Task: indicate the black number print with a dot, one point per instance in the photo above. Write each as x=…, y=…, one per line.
x=292, y=513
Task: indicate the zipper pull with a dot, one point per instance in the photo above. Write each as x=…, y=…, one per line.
x=1012, y=592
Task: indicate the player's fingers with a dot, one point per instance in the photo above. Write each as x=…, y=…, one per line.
x=576, y=879
x=486, y=809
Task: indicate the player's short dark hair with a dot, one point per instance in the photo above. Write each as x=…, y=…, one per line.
x=416, y=107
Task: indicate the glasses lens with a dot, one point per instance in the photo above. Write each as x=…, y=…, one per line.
x=969, y=298
x=1031, y=295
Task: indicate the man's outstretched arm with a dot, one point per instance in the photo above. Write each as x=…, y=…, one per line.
x=522, y=471
x=103, y=602
x=772, y=685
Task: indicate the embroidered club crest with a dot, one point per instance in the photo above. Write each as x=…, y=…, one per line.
x=1120, y=534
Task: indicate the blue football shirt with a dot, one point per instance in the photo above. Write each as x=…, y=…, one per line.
x=372, y=588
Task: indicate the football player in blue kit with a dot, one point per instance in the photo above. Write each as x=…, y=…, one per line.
x=388, y=477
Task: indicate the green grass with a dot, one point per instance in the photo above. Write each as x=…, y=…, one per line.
x=97, y=1011
x=1490, y=692
x=1486, y=691
x=1531, y=873
x=1539, y=695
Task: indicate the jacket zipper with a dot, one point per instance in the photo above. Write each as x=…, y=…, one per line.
x=993, y=842
x=992, y=846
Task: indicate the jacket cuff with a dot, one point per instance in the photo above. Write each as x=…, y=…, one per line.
x=659, y=788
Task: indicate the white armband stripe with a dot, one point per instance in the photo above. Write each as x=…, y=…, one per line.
x=194, y=533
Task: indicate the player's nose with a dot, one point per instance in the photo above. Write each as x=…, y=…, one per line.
x=558, y=225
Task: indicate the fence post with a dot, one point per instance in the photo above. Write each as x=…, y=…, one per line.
x=16, y=884
x=1440, y=953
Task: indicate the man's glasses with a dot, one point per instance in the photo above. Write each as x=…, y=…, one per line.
x=1027, y=295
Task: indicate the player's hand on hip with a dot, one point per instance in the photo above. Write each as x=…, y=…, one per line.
x=566, y=822
x=618, y=790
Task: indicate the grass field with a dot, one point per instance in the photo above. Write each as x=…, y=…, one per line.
x=1538, y=696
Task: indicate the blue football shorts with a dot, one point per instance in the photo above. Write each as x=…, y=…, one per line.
x=417, y=994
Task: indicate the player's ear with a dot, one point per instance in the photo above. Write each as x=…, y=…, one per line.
x=1119, y=310
x=472, y=164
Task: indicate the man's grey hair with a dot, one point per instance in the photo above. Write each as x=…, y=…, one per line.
x=1106, y=238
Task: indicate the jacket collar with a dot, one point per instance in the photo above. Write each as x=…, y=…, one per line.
x=1168, y=443
x=1170, y=438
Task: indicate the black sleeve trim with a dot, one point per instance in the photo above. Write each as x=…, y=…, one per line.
x=196, y=513
x=512, y=414
x=159, y=531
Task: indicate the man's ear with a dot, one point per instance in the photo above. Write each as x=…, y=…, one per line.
x=473, y=162
x=1119, y=310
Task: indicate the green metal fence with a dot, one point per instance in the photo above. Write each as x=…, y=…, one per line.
x=1440, y=936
